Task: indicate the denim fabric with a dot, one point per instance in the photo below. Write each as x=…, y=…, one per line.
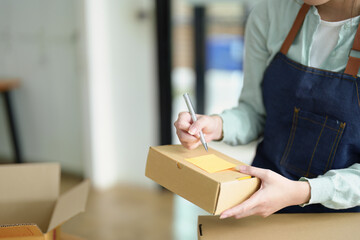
x=312, y=123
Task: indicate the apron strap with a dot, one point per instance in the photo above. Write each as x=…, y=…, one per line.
x=295, y=28
x=353, y=64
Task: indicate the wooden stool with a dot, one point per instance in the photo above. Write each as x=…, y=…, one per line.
x=6, y=85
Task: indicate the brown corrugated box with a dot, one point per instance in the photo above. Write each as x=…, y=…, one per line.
x=329, y=226
x=30, y=205
x=213, y=192
x=65, y=236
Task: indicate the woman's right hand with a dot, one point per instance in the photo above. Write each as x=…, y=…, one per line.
x=188, y=132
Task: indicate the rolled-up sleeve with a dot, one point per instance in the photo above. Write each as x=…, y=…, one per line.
x=336, y=189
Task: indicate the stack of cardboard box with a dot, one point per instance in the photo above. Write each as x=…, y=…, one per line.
x=216, y=192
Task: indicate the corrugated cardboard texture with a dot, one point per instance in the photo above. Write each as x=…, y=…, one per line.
x=329, y=226
x=167, y=166
x=11, y=231
x=24, y=238
x=27, y=232
x=234, y=192
x=70, y=204
x=25, y=182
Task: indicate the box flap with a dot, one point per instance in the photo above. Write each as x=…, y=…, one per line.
x=281, y=227
x=69, y=204
x=166, y=167
x=234, y=192
x=37, y=212
x=29, y=182
x=21, y=230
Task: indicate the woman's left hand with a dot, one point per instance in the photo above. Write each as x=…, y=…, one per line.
x=275, y=193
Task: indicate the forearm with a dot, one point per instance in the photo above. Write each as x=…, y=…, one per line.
x=336, y=189
x=242, y=124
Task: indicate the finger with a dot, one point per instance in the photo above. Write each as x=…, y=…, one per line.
x=244, y=209
x=182, y=125
x=185, y=116
x=188, y=141
x=183, y=121
x=197, y=126
x=243, y=214
x=193, y=145
x=207, y=137
x=254, y=171
x=185, y=137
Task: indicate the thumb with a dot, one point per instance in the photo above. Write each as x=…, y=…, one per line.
x=253, y=171
x=197, y=126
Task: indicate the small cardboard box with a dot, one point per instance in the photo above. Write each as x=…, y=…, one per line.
x=213, y=192
x=30, y=205
x=282, y=227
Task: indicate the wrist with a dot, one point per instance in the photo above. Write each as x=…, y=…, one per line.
x=302, y=192
x=218, y=131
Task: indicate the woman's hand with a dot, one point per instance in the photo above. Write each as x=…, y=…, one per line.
x=275, y=193
x=188, y=132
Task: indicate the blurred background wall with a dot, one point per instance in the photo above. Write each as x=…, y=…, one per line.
x=39, y=43
x=88, y=91
x=122, y=89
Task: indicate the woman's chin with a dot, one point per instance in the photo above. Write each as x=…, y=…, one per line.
x=315, y=2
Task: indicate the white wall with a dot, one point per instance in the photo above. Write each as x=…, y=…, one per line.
x=136, y=86
x=88, y=94
x=122, y=87
x=39, y=43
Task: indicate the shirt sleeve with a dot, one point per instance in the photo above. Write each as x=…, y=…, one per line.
x=245, y=122
x=336, y=189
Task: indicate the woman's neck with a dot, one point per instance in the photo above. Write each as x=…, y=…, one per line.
x=338, y=10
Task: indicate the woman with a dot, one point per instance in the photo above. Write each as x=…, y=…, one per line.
x=301, y=93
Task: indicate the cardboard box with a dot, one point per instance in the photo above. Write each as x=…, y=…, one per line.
x=282, y=227
x=65, y=236
x=30, y=205
x=213, y=192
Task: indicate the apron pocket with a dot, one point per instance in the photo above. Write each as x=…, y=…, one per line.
x=312, y=144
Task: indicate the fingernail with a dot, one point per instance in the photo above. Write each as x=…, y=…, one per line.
x=241, y=168
x=192, y=131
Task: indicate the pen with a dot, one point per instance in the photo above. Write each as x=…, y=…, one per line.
x=194, y=118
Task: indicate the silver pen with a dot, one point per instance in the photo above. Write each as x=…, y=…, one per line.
x=194, y=118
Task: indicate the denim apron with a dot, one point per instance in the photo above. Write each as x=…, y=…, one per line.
x=313, y=118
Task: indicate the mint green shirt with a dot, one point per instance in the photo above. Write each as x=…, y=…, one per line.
x=267, y=26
